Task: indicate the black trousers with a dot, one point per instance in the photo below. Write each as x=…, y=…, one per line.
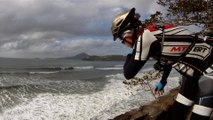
x=197, y=89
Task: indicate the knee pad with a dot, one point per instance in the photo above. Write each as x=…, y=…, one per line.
x=202, y=110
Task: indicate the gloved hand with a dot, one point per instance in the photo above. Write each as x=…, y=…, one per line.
x=159, y=89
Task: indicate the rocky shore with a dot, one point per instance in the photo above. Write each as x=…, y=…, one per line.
x=156, y=110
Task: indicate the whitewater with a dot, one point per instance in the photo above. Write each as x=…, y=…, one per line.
x=114, y=99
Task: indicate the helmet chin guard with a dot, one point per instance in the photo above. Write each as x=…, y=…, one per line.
x=121, y=22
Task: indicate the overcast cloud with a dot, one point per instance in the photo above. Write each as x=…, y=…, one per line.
x=60, y=28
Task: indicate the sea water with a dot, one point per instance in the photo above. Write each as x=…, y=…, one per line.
x=65, y=89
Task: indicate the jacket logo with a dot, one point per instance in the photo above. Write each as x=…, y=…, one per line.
x=174, y=48
x=200, y=51
x=178, y=49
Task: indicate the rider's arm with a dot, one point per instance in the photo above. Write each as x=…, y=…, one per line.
x=165, y=75
x=131, y=66
x=159, y=88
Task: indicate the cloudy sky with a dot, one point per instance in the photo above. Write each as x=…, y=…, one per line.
x=60, y=28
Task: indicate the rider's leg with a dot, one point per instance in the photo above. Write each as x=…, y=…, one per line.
x=185, y=98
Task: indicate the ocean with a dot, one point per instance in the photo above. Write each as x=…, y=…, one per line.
x=67, y=89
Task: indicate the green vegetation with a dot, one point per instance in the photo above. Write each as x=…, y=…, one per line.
x=184, y=12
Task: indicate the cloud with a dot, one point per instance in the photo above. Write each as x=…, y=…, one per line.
x=40, y=28
x=67, y=48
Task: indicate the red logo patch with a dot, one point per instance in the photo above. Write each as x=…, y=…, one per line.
x=178, y=49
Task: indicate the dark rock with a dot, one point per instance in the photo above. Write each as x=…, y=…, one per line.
x=156, y=110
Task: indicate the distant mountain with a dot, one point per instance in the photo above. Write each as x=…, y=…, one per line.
x=106, y=58
x=85, y=56
x=80, y=56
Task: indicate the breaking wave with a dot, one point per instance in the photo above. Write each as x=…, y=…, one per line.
x=84, y=67
x=53, y=70
x=54, y=101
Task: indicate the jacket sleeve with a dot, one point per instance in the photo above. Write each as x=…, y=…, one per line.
x=131, y=66
x=166, y=72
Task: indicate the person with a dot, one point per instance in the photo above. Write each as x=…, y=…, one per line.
x=172, y=47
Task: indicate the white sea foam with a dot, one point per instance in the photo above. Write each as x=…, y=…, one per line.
x=53, y=72
x=84, y=67
x=110, y=68
x=116, y=98
x=116, y=67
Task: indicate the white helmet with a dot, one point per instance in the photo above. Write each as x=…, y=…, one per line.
x=120, y=22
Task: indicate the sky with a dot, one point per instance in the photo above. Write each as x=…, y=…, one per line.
x=63, y=28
